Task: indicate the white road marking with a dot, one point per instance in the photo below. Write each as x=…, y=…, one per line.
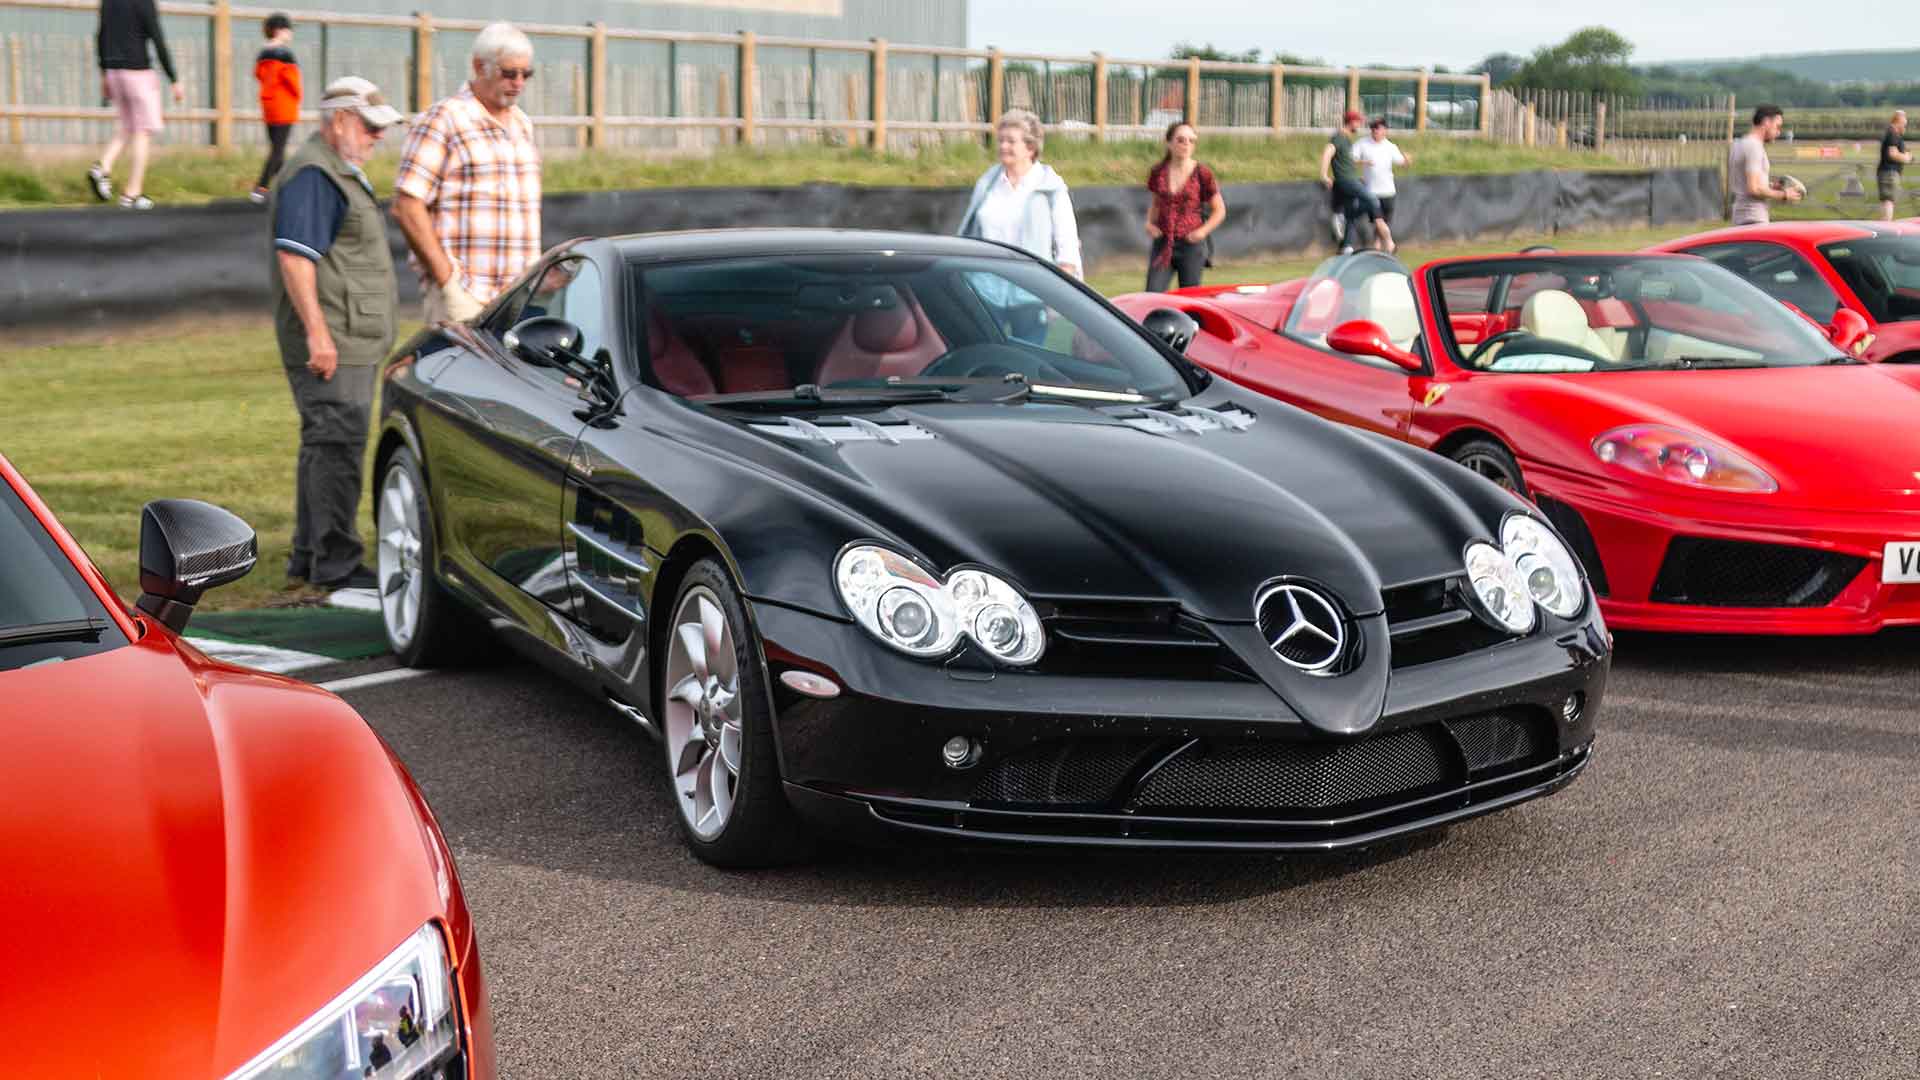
x=378, y=678
x=355, y=600
x=264, y=657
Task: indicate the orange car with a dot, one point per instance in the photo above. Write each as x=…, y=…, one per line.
x=208, y=871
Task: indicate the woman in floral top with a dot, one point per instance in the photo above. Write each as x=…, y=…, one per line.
x=1187, y=208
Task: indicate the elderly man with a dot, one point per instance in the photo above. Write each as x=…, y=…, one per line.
x=334, y=297
x=467, y=194
x=1894, y=157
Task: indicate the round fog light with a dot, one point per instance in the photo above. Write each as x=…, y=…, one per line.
x=960, y=752
x=1570, y=708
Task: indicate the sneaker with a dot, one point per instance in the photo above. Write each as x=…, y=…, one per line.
x=360, y=578
x=135, y=202
x=258, y=196
x=97, y=180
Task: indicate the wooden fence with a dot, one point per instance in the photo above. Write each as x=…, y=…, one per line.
x=1658, y=134
x=604, y=86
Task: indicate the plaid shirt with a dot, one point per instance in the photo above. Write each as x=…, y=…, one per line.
x=480, y=179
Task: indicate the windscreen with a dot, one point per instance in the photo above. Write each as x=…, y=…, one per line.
x=45, y=606
x=724, y=327
x=1591, y=314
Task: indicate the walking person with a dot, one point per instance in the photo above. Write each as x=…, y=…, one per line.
x=1340, y=175
x=1021, y=200
x=1184, y=191
x=467, y=193
x=127, y=28
x=1749, y=171
x=278, y=74
x=334, y=300
x=1893, y=161
x=1377, y=156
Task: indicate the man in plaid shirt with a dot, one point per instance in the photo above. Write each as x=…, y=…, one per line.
x=467, y=195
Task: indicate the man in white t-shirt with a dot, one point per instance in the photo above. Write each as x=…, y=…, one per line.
x=1377, y=156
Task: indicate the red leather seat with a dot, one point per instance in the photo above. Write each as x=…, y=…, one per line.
x=745, y=368
x=882, y=342
x=675, y=367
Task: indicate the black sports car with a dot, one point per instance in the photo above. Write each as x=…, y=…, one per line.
x=897, y=534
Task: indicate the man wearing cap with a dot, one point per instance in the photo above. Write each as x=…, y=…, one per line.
x=334, y=297
x=467, y=193
x=1340, y=174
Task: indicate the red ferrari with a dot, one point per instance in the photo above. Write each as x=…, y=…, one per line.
x=207, y=871
x=1824, y=268
x=1718, y=463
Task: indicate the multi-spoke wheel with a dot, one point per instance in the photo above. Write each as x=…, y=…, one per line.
x=425, y=625
x=717, y=725
x=1493, y=461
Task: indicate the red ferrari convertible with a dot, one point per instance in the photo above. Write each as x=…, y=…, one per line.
x=205, y=871
x=1718, y=462
x=1825, y=268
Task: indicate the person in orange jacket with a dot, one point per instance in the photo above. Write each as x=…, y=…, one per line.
x=279, y=76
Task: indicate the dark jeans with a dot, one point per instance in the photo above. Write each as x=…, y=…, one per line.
x=1356, y=204
x=1188, y=260
x=326, y=494
x=276, y=155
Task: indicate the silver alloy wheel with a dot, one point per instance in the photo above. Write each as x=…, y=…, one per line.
x=398, y=566
x=1491, y=467
x=704, y=738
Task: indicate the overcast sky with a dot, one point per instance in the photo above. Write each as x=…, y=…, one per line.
x=1417, y=32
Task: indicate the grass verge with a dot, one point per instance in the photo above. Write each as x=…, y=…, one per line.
x=198, y=176
x=100, y=425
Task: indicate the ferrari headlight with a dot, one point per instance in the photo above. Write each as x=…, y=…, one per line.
x=1552, y=577
x=396, y=1023
x=1680, y=456
x=1500, y=587
x=902, y=604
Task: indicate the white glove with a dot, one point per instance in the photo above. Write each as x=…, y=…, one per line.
x=461, y=305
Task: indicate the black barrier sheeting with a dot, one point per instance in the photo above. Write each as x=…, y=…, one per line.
x=105, y=267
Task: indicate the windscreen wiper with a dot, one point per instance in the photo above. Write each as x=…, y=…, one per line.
x=52, y=630
x=1692, y=363
x=813, y=397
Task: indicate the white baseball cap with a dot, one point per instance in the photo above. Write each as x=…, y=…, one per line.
x=360, y=95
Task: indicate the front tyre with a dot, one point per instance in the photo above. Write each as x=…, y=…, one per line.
x=1493, y=461
x=425, y=626
x=718, y=731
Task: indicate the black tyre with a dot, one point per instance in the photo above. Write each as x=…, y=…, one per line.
x=1493, y=461
x=716, y=715
x=425, y=625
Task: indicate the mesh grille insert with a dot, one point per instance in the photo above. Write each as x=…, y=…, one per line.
x=1739, y=573
x=1296, y=775
x=1066, y=771
x=1500, y=738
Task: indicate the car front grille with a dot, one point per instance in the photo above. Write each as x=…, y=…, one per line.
x=1431, y=621
x=1270, y=776
x=1739, y=573
x=1135, y=639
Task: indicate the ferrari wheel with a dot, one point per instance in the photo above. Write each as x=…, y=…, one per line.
x=424, y=625
x=718, y=731
x=1493, y=461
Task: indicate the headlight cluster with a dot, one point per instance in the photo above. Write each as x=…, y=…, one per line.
x=1681, y=457
x=396, y=1023
x=1531, y=567
x=902, y=604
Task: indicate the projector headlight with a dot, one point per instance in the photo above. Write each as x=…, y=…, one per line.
x=898, y=601
x=1500, y=587
x=1552, y=577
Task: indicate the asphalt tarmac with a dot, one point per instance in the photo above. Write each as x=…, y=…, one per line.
x=1729, y=891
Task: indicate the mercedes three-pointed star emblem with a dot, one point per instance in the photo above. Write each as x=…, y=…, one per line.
x=1302, y=627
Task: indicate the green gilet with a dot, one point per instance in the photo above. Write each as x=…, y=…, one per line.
x=355, y=278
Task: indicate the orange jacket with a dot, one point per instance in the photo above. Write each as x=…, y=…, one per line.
x=279, y=77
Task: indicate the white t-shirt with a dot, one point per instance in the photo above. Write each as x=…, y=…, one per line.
x=1377, y=157
x=1003, y=216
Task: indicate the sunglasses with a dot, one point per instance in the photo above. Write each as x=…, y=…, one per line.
x=516, y=73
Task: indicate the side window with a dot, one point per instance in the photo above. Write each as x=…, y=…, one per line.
x=1021, y=315
x=570, y=289
x=1780, y=273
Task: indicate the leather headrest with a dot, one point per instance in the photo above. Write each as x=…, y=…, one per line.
x=885, y=330
x=1551, y=313
x=658, y=336
x=1387, y=299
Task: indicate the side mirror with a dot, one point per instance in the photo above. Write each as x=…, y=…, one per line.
x=1849, y=331
x=186, y=548
x=1176, y=328
x=1363, y=337
x=536, y=339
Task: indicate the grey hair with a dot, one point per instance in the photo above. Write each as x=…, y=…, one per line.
x=498, y=40
x=1027, y=124
x=1899, y=114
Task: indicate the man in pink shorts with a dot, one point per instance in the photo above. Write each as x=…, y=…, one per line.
x=128, y=80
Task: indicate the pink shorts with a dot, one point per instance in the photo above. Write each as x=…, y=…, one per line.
x=136, y=95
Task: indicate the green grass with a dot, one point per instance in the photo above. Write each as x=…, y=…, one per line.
x=196, y=176
x=101, y=425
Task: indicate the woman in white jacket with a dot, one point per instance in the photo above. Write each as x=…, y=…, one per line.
x=1023, y=202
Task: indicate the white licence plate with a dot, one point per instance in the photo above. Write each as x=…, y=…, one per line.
x=1902, y=564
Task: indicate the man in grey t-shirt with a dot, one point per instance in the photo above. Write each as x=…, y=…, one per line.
x=1748, y=168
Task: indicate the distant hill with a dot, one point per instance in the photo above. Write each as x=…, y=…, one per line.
x=1871, y=65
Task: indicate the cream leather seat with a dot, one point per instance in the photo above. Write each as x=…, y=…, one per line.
x=1387, y=299
x=1553, y=314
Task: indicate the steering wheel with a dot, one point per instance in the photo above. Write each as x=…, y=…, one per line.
x=985, y=360
x=1541, y=344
